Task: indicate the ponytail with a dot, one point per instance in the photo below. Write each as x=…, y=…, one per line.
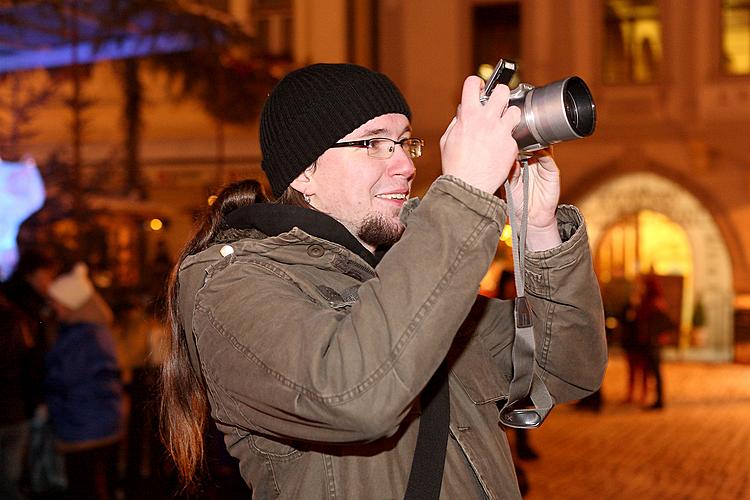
x=184, y=401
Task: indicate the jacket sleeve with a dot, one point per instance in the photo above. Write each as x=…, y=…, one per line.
x=281, y=364
x=567, y=314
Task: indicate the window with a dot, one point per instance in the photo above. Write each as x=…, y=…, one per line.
x=632, y=41
x=273, y=25
x=735, y=37
x=497, y=34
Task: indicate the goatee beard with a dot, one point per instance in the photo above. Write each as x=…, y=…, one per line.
x=377, y=231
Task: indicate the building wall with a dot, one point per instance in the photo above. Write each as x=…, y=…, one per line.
x=690, y=127
x=691, y=124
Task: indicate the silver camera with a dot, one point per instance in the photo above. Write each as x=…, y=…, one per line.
x=559, y=111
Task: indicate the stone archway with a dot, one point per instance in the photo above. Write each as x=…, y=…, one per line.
x=631, y=192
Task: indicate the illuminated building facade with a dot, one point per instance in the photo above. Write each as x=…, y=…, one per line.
x=664, y=182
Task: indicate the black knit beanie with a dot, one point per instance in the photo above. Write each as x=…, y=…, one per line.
x=314, y=107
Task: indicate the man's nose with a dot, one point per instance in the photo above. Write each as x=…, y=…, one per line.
x=401, y=164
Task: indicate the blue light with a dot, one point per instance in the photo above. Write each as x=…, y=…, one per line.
x=87, y=52
x=21, y=194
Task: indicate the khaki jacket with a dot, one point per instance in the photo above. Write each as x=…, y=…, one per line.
x=314, y=360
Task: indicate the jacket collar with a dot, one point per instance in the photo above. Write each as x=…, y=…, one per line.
x=274, y=219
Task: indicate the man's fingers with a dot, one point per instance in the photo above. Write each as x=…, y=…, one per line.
x=515, y=173
x=512, y=116
x=548, y=163
x=496, y=105
x=471, y=91
x=545, y=162
x=448, y=131
x=498, y=100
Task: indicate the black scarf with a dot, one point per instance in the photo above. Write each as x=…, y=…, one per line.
x=273, y=220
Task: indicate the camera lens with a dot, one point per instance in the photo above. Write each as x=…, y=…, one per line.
x=559, y=111
x=571, y=110
x=579, y=106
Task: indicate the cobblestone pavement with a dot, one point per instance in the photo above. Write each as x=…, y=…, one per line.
x=697, y=447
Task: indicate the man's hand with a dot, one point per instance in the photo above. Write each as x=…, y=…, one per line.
x=544, y=195
x=477, y=147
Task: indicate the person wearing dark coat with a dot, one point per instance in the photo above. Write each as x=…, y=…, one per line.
x=15, y=355
x=27, y=289
x=83, y=387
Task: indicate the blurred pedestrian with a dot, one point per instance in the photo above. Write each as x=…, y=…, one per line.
x=26, y=289
x=142, y=344
x=653, y=325
x=83, y=387
x=15, y=354
x=634, y=348
x=160, y=268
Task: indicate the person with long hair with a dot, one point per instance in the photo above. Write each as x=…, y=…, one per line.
x=335, y=336
x=184, y=403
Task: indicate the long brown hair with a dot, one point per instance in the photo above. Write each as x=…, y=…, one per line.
x=184, y=403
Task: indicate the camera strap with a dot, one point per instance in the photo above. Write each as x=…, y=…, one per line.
x=426, y=474
x=526, y=384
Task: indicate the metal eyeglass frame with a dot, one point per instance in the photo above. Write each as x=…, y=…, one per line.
x=414, y=145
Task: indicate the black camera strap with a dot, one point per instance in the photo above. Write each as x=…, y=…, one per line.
x=526, y=384
x=426, y=475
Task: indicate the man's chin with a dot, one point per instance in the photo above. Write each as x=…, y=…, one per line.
x=379, y=230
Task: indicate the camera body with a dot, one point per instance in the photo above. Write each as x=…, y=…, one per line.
x=559, y=111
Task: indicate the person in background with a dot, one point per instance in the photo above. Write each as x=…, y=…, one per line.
x=27, y=290
x=653, y=325
x=83, y=388
x=15, y=353
x=634, y=348
x=142, y=343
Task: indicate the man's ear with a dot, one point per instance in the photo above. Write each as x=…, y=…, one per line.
x=304, y=182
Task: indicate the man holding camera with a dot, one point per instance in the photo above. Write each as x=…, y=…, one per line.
x=338, y=334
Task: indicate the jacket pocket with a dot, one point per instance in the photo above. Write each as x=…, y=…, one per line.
x=339, y=300
x=475, y=372
x=276, y=450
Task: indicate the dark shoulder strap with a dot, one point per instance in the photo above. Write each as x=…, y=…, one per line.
x=426, y=476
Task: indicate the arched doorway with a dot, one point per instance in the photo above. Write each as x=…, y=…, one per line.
x=648, y=242
x=643, y=196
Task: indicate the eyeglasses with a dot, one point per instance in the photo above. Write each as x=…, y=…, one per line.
x=382, y=148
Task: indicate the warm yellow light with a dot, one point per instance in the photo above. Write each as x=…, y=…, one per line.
x=742, y=301
x=156, y=224
x=650, y=242
x=735, y=33
x=507, y=236
x=488, y=285
x=663, y=245
x=611, y=322
x=212, y=199
x=485, y=70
